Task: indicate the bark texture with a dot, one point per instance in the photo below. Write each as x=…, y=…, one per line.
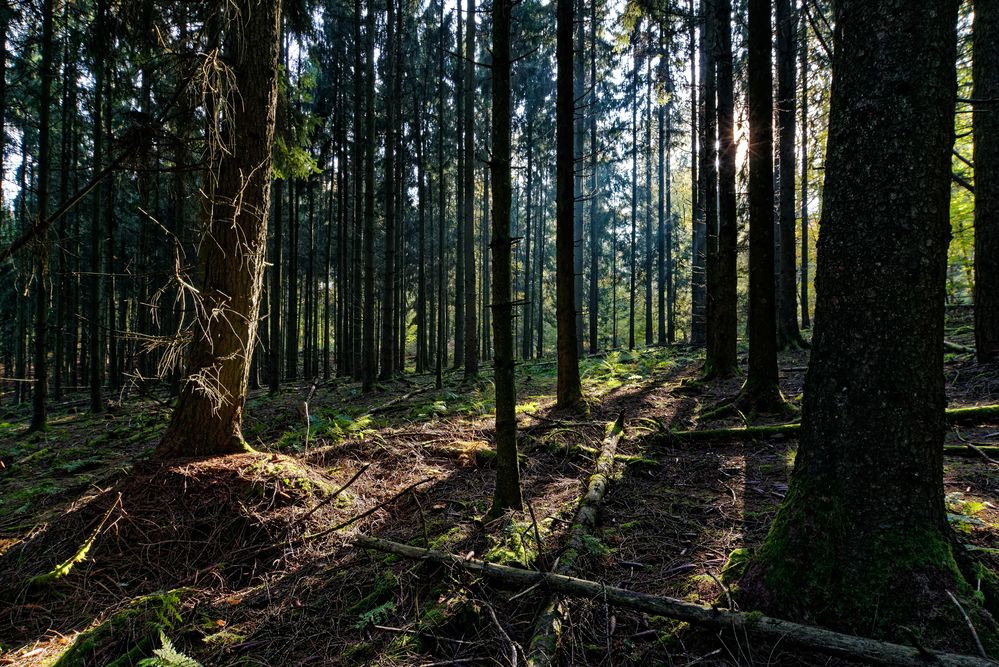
x=507, y=494
x=986, y=129
x=207, y=420
x=861, y=541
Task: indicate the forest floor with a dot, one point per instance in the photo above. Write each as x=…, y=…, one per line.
x=233, y=560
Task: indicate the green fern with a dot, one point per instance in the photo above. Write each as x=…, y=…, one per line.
x=168, y=656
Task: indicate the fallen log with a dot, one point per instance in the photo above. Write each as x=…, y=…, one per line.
x=775, y=629
x=950, y=346
x=975, y=413
x=548, y=625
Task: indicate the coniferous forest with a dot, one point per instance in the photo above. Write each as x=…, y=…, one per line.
x=496, y=332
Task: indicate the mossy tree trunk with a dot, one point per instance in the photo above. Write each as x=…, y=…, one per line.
x=986, y=128
x=861, y=541
x=208, y=417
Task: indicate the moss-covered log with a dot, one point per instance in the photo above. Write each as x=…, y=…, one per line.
x=775, y=629
x=548, y=625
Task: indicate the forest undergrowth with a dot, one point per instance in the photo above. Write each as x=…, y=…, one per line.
x=110, y=557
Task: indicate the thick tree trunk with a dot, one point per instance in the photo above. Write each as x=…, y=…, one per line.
x=861, y=541
x=569, y=394
x=986, y=129
x=507, y=495
x=207, y=420
x=761, y=390
x=788, y=333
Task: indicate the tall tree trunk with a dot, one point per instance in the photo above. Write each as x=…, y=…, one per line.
x=368, y=334
x=274, y=299
x=634, y=192
x=388, y=287
x=292, y=321
x=595, y=240
x=648, y=190
x=862, y=542
x=207, y=420
x=788, y=334
x=507, y=495
x=471, y=319
x=526, y=339
x=661, y=188
x=39, y=411
x=761, y=391
x=698, y=291
x=803, y=37
x=459, y=248
x=707, y=220
x=724, y=308
x=569, y=395
x=986, y=134
x=579, y=136
x=421, y=280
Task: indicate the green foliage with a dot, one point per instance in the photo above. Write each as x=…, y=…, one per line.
x=143, y=619
x=168, y=656
x=375, y=616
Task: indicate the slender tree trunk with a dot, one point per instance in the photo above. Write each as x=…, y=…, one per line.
x=986, y=134
x=39, y=412
x=526, y=338
x=292, y=321
x=803, y=50
x=861, y=542
x=788, y=334
x=507, y=495
x=471, y=341
x=595, y=239
x=421, y=280
x=634, y=194
x=207, y=420
x=368, y=335
x=708, y=186
x=725, y=315
x=388, y=288
x=579, y=137
x=661, y=189
x=698, y=291
x=459, y=248
x=569, y=394
x=761, y=390
x=648, y=190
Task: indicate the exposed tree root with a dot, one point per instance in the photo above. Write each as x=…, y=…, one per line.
x=774, y=629
x=548, y=625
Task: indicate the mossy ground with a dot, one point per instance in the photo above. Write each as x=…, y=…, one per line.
x=261, y=593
